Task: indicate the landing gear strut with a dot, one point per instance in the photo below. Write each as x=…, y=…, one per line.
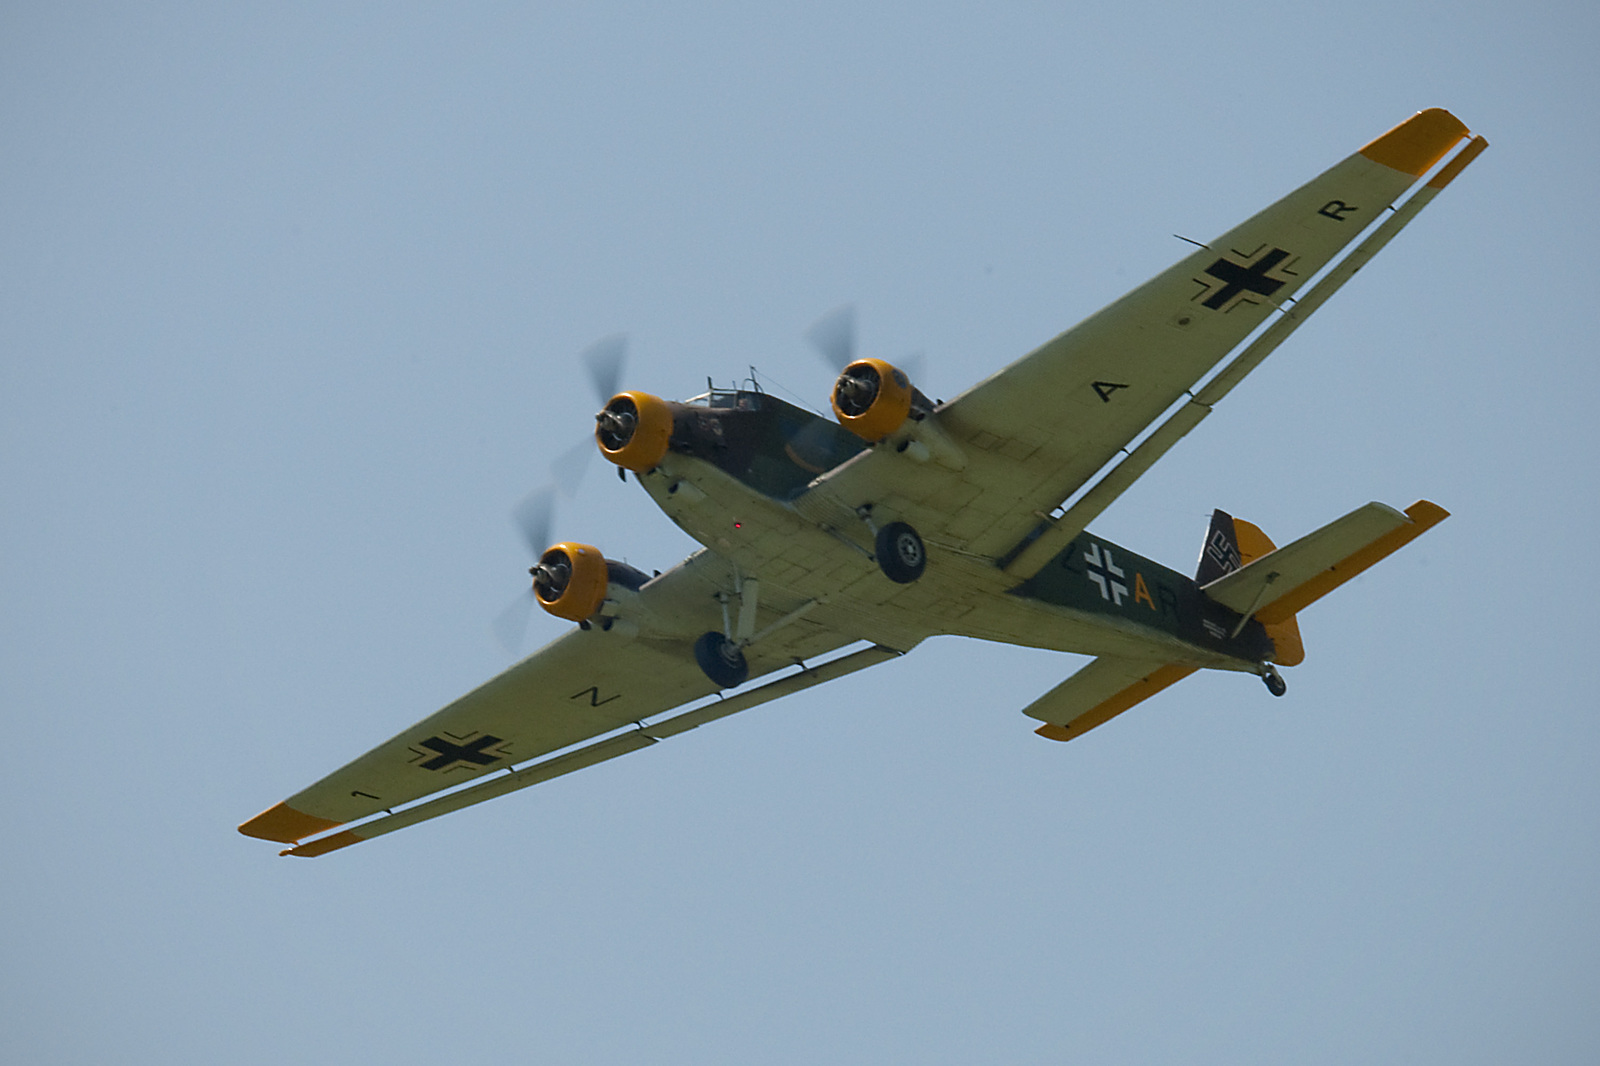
x=722, y=660
x=1273, y=680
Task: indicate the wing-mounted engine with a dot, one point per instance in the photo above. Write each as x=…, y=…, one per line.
x=570, y=581
x=877, y=402
x=574, y=581
x=873, y=399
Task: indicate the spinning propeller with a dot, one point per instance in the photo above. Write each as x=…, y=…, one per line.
x=834, y=337
x=535, y=515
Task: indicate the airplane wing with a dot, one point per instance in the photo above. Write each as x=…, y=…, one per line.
x=583, y=685
x=1035, y=433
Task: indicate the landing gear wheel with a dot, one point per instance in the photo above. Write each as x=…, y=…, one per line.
x=1274, y=680
x=721, y=659
x=901, y=555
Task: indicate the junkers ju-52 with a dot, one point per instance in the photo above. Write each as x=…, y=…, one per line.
x=831, y=545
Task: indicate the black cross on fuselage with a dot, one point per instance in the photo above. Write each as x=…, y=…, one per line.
x=1237, y=279
x=450, y=753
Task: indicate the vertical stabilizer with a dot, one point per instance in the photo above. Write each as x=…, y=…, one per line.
x=1232, y=543
x=1220, y=555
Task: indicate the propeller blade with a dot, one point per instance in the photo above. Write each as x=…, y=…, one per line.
x=511, y=626
x=604, y=360
x=834, y=336
x=569, y=467
x=533, y=516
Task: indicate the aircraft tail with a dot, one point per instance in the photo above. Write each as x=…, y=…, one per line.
x=1272, y=585
x=1241, y=569
x=1231, y=545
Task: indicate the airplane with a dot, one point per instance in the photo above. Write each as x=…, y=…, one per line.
x=831, y=546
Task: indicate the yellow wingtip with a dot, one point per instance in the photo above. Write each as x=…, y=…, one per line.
x=1426, y=514
x=1414, y=146
x=285, y=824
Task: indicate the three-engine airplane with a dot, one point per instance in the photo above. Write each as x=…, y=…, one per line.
x=909, y=518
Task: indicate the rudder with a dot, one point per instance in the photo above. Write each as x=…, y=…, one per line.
x=1233, y=543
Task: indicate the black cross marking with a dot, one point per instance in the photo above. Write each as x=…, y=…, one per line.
x=1104, y=389
x=453, y=753
x=1237, y=279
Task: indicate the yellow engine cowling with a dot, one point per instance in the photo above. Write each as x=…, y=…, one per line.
x=633, y=430
x=872, y=399
x=570, y=581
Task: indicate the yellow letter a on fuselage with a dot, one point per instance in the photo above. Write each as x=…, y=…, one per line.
x=1141, y=591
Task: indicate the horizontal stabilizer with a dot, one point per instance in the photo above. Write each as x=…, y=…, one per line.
x=1282, y=582
x=1099, y=692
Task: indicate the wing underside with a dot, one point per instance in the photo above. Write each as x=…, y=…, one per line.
x=1037, y=433
x=588, y=684
x=633, y=739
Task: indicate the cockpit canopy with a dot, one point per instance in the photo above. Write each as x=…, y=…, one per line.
x=773, y=446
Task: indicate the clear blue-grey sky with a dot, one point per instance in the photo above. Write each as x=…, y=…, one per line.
x=292, y=295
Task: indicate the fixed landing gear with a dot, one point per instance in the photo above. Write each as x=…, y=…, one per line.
x=1272, y=679
x=900, y=553
x=722, y=660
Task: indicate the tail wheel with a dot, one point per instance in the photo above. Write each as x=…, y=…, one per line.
x=1273, y=680
x=722, y=660
x=900, y=553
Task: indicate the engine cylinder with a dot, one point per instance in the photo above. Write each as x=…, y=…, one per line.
x=872, y=399
x=633, y=430
x=570, y=581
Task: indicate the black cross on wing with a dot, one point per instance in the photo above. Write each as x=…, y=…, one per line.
x=446, y=752
x=1226, y=283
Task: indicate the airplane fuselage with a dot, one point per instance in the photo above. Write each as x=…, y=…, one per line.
x=740, y=477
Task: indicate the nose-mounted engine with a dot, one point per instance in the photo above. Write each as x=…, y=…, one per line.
x=872, y=399
x=633, y=430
